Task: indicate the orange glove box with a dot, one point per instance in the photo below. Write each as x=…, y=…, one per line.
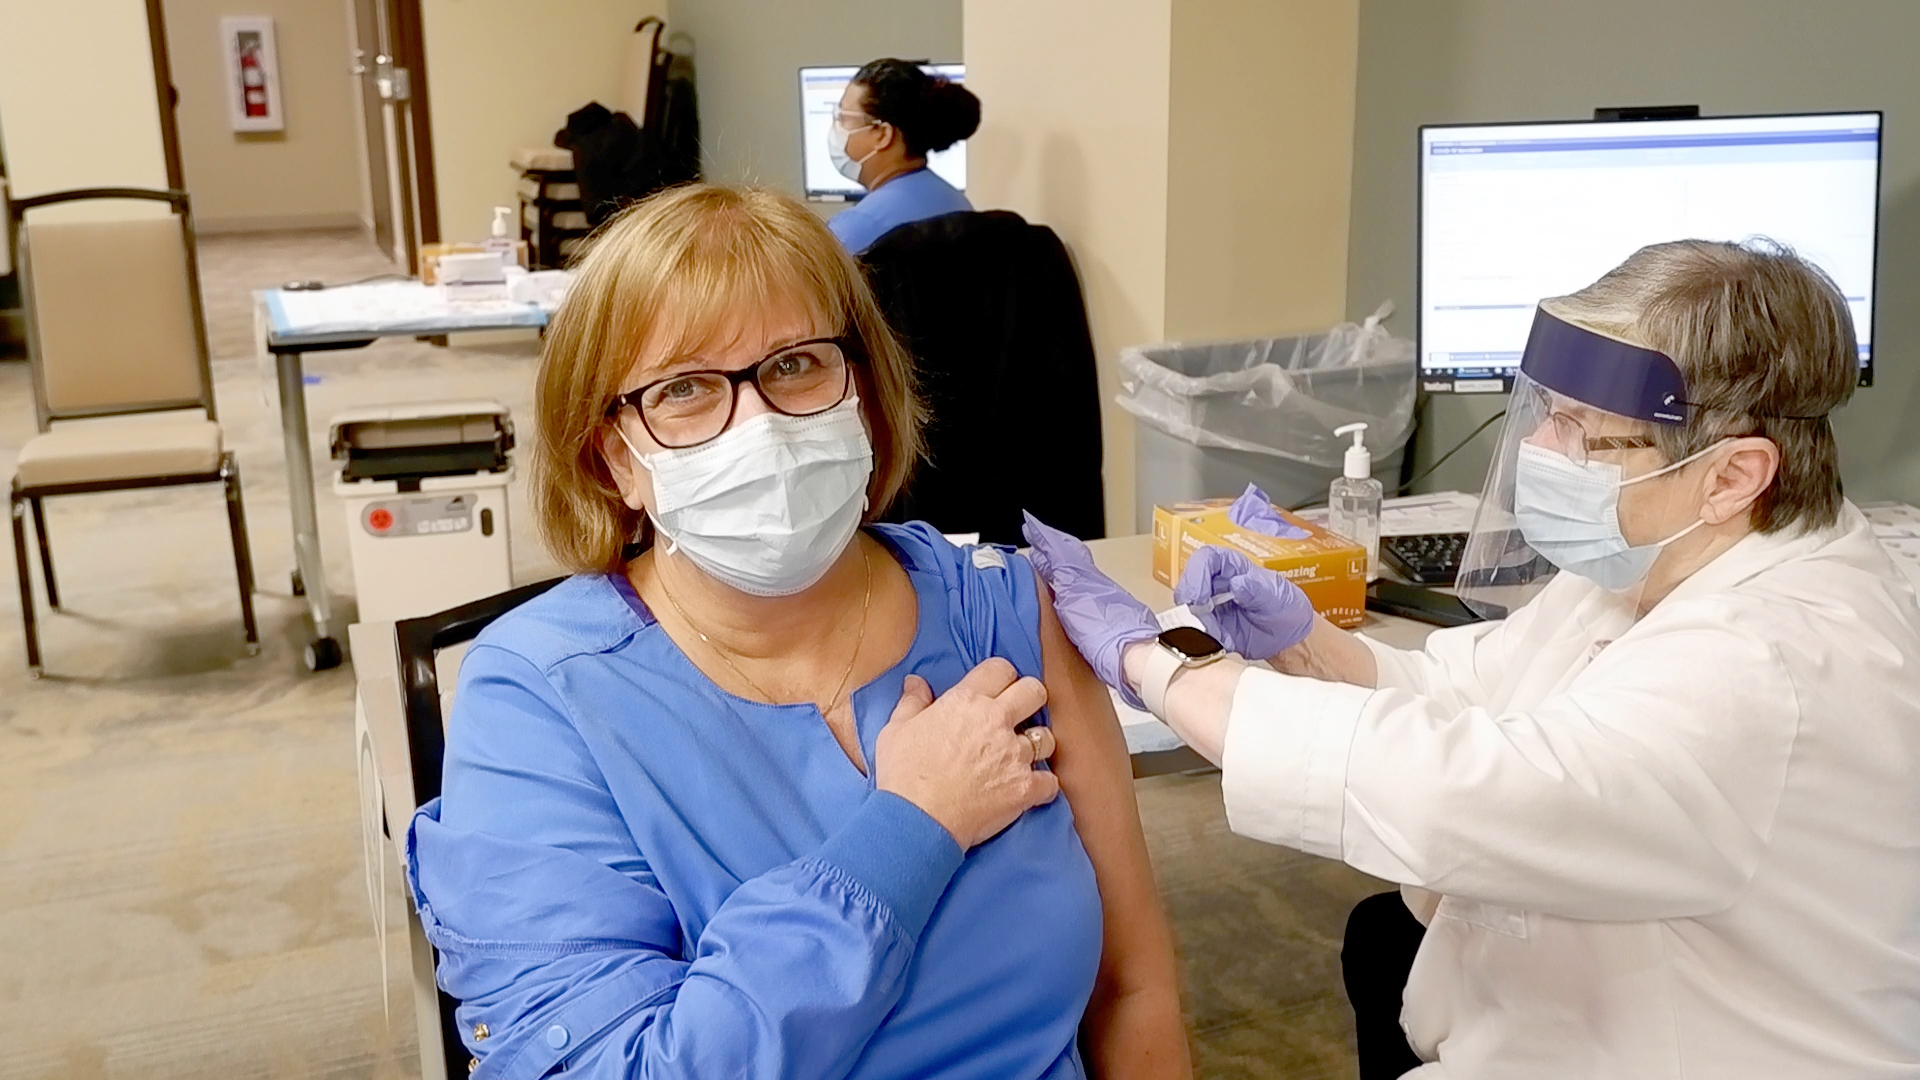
x=1329, y=568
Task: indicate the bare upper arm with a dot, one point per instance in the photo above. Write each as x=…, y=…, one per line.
x=1096, y=776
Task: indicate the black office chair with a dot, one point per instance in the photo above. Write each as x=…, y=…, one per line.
x=400, y=701
x=991, y=308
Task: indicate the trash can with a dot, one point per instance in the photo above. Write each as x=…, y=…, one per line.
x=425, y=492
x=1215, y=416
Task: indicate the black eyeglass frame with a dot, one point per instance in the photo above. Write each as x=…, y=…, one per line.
x=850, y=351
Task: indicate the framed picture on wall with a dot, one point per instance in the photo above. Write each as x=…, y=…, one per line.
x=253, y=73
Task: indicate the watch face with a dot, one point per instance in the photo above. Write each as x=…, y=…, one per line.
x=1190, y=642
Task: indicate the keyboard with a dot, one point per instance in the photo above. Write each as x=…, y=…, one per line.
x=1425, y=559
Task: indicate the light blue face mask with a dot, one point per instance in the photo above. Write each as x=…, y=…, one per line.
x=1570, y=514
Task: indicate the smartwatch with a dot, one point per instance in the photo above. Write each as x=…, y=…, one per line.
x=1178, y=649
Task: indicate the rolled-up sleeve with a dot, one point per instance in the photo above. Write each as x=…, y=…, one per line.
x=563, y=947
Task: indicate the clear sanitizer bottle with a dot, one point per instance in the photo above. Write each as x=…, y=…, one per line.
x=1353, y=500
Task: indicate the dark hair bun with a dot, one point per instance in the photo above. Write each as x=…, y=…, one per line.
x=953, y=113
x=930, y=113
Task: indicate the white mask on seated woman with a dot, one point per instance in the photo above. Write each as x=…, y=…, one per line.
x=767, y=506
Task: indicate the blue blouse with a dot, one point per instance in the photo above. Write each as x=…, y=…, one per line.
x=632, y=873
x=913, y=196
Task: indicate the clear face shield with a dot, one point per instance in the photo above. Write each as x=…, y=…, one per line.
x=1580, y=401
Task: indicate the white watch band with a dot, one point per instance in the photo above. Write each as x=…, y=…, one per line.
x=1162, y=665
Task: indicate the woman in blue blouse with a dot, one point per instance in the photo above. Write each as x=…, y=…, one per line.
x=891, y=115
x=761, y=792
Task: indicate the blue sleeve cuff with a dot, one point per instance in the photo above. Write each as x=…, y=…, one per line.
x=899, y=854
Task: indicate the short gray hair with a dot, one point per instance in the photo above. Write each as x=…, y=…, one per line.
x=1767, y=346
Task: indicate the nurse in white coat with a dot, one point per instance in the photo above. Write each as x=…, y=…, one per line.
x=1663, y=819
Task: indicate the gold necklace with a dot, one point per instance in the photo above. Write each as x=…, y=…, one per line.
x=866, y=562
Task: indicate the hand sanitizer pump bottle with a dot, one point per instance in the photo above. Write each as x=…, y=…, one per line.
x=1353, y=500
x=500, y=241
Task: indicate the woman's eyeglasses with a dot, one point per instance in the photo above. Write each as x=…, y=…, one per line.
x=691, y=407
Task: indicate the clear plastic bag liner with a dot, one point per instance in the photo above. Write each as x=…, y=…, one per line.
x=1278, y=396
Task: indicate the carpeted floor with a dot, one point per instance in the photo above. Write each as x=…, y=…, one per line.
x=181, y=891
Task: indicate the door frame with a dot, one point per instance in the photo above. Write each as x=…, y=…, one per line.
x=410, y=52
x=416, y=142
x=364, y=18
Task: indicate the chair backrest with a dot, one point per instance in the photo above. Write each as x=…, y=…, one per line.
x=398, y=668
x=114, y=319
x=991, y=308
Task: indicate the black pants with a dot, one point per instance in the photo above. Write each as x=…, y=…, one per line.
x=1375, y=959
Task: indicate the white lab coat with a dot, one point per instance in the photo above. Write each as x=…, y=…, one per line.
x=1683, y=846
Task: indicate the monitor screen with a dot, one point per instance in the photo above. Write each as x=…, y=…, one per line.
x=1512, y=213
x=820, y=90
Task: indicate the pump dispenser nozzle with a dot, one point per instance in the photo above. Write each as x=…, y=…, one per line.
x=501, y=215
x=1359, y=460
x=1353, y=500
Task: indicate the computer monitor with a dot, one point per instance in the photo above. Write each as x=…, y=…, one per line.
x=1511, y=213
x=820, y=90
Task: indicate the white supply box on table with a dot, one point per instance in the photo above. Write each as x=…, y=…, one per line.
x=425, y=492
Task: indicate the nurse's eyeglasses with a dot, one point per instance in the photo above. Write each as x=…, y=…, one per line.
x=1570, y=438
x=688, y=408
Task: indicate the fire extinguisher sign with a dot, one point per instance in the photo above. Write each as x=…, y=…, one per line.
x=253, y=73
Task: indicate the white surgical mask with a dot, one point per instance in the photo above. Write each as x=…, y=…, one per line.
x=837, y=137
x=765, y=507
x=1571, y=515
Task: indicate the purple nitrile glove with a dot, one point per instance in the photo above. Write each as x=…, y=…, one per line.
x=1100, y=617
x=1260, y=614
x=1253, y=510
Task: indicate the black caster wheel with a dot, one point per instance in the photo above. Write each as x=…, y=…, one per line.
x=299, y=587
x=323, y=654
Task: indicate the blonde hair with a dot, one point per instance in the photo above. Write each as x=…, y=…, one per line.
x=1766, y=343
x=668, y=273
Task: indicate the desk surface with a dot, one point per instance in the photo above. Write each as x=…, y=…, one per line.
x=388, y=308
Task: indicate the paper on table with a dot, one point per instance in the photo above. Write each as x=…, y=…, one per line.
x=1413, y=515
x=1144, y=733
x=389, y=307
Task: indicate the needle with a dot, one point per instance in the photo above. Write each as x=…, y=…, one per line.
x=1209, y=603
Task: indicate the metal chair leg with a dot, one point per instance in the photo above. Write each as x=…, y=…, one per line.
x=46, y=552
x=19, y=508
x=242, y=551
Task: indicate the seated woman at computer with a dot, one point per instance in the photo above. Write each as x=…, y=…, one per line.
x=892, y=115
x=754, y=793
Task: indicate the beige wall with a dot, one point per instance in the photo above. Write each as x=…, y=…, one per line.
x=1195, y=155
x=62, y=130
x=307, y=176
x=502, y=74
x=1259, y=166
x=1074, y=136
x=1450, y=61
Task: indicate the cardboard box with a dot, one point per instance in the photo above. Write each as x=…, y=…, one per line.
x=1329, y=568
x=430, y=255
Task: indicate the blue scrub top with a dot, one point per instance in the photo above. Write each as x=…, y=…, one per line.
x=633, y=873
x=913, y=196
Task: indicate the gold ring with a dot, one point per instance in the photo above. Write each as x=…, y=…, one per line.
x=1033, y=739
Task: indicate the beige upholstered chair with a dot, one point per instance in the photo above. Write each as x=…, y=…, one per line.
x=121, y=389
